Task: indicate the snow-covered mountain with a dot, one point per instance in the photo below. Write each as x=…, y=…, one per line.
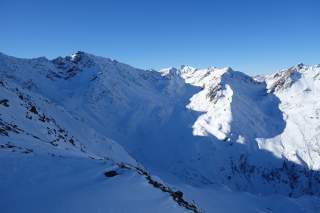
x=89, y=134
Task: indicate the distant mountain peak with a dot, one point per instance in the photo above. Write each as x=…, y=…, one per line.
x=77, y=56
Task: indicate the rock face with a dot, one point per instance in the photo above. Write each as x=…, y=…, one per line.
x=204, y=127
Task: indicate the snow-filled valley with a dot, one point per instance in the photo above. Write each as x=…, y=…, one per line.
x=85, y=133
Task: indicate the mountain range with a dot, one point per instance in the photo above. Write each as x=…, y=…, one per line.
x=84, y=133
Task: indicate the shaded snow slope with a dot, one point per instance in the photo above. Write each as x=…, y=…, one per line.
x=215, y=130
x=70, y=184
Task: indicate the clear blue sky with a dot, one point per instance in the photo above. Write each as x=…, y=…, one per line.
x=254, y=36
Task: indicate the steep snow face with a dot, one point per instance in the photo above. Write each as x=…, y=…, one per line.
x=298, y=89
x=279, y=114
x=237, y=108
x=216, y=117
x=189, y=126
x=33, y=122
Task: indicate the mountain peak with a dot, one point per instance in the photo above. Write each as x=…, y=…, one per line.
x=80, y=56
x=228, y=69
x=169, y=71
x=77, y=55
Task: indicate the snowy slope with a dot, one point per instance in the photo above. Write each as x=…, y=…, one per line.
x=298, y=88
x=212, y=132
x=51, y=156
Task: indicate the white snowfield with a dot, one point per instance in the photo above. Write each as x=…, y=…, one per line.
x=84, y=133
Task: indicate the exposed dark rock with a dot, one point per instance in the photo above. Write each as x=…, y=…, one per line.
x=214, y=93
x=177, y=196
x=33, y=109
x=286, y=78
x=4, y=102
x=72, y=141
x=5, y=128
x=111, y=173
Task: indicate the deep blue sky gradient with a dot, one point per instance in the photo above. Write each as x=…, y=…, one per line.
x=254, y=36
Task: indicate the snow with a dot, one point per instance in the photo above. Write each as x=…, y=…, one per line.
x=300, y=140
x=228, y=141
x=69, y=184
